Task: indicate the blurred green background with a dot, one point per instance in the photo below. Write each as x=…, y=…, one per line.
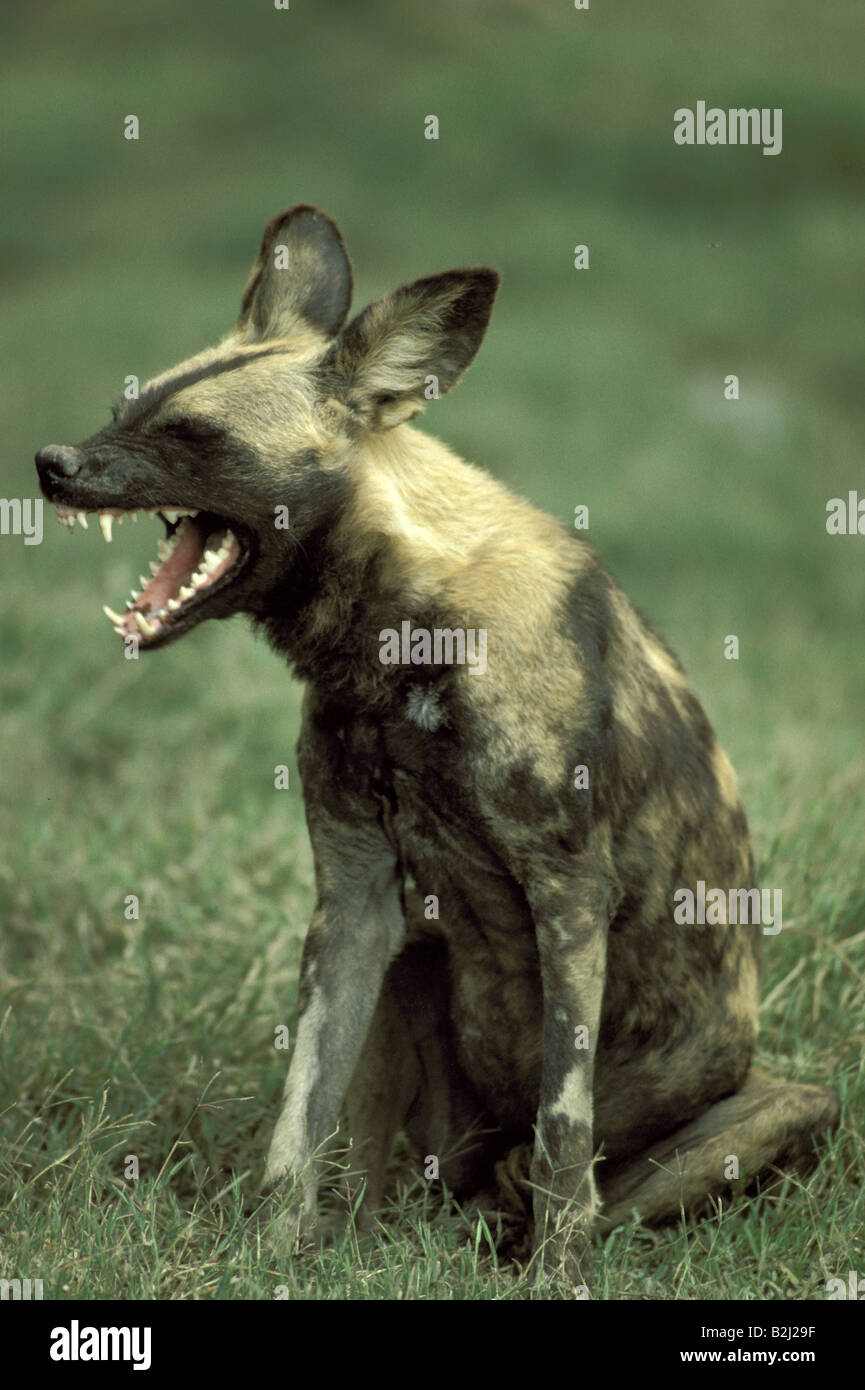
x=602, y=386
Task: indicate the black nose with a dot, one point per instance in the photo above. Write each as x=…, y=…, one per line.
x=57, y=461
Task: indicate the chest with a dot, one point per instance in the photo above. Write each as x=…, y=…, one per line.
x=457, y=883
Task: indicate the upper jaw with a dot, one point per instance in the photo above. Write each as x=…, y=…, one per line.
x=199, y=563
x=106, y=516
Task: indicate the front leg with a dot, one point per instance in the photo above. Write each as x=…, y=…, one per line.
x=571, y=918
x=356, y=930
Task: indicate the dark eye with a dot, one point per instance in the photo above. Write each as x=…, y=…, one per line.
x=192, y=431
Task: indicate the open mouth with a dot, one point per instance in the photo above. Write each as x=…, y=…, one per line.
x=199, y=556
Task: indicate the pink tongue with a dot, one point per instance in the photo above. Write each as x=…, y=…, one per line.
x=172, y=573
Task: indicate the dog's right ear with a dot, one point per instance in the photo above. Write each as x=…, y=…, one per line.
x=421, y=337
x=302, y=275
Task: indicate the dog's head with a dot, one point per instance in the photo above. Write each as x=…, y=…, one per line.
x=245, y=450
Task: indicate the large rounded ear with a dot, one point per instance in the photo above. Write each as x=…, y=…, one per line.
x=411, y=346
x=302, y=277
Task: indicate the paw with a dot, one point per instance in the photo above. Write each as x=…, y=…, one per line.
x=289, y=1232
x=562, y=1263
x=511, y=1235
x=283, y=1222
x=284, y=1234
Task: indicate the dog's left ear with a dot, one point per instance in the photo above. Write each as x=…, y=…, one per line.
x=411, y=346
x=303, y=274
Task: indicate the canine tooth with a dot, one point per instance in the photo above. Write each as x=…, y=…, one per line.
x=144, y=627
x=173, y=605
x=186, y=591
x=111, y=615
x=105, y=522
x=82, y=520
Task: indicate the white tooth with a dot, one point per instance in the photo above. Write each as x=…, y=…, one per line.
x=163, y=550
x=143, y=581
x=82, y=520
x=134, y=515
x=129, y=604
x=154, y=568
x=173, y=605
x=148, y=629
x=121, y=632
x=105, y=521
x=211, y=559
x=121, y=518
x=186, y=592
x=152, y=512
x=111, y=615
x=171, y=514
x=134, y=593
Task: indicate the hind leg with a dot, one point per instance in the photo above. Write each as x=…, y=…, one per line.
x=409, y=1078
x=767, y=1125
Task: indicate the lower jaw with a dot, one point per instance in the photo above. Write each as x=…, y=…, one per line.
x=155, y=610
x=198, y=559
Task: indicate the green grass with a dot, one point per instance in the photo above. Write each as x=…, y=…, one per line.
x=155, y=1037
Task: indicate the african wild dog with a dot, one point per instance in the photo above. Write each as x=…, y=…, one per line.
x=431, y=782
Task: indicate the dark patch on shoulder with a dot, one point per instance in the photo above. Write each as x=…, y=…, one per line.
x=520, y=790
x=587, y=614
